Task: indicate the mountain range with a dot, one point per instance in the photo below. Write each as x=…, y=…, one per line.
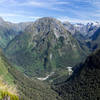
x=49, y=60
x=83, y=29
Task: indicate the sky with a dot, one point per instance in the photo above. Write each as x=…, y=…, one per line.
x=75, y=11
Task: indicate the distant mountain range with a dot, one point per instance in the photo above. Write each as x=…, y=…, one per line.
x=83, y=29
x=87, y=35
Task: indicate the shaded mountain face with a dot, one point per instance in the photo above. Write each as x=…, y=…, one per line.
x=93, y=42
x=84, y=84
x=70, y=27
x=43, y=47
x=8, y=31
x=17, y=86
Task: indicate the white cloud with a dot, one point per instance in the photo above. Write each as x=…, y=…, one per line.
x=54, y=5
x=46, y=4
x=74, y=20
x=14, y=17
x=34, y=17
x=62, y=3
x=1, y=1
x=32, y=3
x=8, y=15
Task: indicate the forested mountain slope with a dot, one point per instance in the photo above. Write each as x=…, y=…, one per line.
x=16, y=86
x=84, y=84
x=9, y=30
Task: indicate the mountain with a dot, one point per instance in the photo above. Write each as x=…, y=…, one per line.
x=86, y=35
x=70, y=27
x=43, y=47
x=93, y=42
x=17, y=86
x=86, y=30
x=84, y=84
x=9, y=30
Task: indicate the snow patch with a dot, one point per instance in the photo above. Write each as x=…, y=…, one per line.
x=69, y=70
x=50, y=56
x=74, y=46
x=56, y=33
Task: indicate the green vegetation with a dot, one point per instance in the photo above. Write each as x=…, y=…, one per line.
x=7, y=91
x=7, y=95
x=59, y=75
x=84, y=84
x=27, y=89
x=6, y=35
x=8, y=31
x=4, y=73
x=44, y=47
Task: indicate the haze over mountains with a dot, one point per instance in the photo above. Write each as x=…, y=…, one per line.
x=46, y=49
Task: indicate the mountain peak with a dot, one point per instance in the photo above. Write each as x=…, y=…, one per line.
x=45, y=25
x=48, y=20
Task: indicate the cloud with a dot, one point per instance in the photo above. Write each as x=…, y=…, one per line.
x=73, y=20
x=1, y=1
x=7, y=3
x=33, y=3
x=77, y=10
x=47, y=4
x=8, y=15
x=44, y=4
x=13, y=17
x=34, y=17
x=62, y=3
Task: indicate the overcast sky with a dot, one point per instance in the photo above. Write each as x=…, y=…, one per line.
x=65, y=10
